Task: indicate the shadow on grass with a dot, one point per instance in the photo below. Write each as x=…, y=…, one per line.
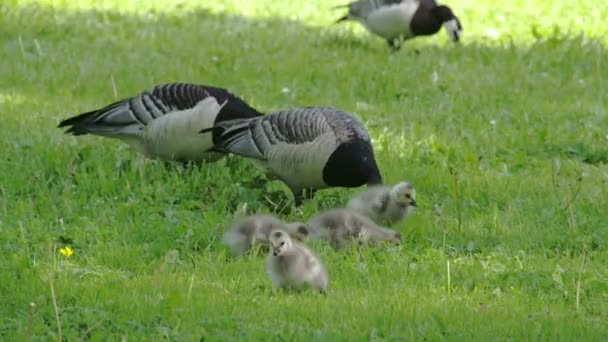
x=50, y=54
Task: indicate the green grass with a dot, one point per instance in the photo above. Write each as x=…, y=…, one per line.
x=507, y=132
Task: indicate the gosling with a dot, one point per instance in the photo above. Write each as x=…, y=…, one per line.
x=344, y=227
x=291, y=265
x=385, y=204
x=255, y=230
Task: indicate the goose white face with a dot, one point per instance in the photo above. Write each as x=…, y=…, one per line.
x=280, y=242
x=453, y=29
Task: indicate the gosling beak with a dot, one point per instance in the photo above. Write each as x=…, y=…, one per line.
x=413, y=203
x=275, y=251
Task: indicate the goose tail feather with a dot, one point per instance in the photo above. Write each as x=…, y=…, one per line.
x=75, y=120
x=344, y=18
x=237, y=136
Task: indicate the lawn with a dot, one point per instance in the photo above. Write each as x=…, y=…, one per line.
x=504, y=136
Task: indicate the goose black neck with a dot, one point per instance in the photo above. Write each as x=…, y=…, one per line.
x=442, y=13
x=351, y=165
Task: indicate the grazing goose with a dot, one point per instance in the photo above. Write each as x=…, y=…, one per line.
x=164, y=122
x=307, y=148
x=342, y=227
x=385, y=204
x=292, y=265
x=396, y=20
x=255, y=230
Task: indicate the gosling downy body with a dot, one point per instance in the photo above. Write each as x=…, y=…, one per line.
x=337, y=227
x=384, y=204
x=291, y=264
x=397, y=20
x=343, y=227
x=307, y=148
x=255, y=230
x=164, y=122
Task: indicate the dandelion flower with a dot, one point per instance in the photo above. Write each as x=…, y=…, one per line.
x=66, y=251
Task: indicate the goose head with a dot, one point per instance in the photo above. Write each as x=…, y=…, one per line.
x=450, y=22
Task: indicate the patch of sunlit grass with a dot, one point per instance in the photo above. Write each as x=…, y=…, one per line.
x=503, y=136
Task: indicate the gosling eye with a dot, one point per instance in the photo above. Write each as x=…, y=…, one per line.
x=407, y=196
x=282, y=243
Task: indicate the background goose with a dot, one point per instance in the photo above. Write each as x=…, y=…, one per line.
x=385, y=204
x=394, y=20
x=164, y=122
x=307, y=148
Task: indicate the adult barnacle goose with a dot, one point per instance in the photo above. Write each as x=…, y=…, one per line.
x=396, y=20
x=164, y=122
x=307, y=148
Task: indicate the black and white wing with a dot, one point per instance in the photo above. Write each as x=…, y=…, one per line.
x=361, y=9
x=129, y=116
x=254, y=137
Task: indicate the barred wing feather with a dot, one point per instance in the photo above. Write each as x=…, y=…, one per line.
x=253, y=138
x=127, y=117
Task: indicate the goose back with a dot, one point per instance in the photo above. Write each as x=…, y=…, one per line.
x=130, y=115
x=299, y=144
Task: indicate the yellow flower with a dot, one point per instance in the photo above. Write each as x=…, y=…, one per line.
x=66, y=251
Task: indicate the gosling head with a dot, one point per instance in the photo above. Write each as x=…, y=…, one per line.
x=396, y=239
x=386, y=236
x=280, y=242
x=298, y=230
x=404, y=195
x=362, y=238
